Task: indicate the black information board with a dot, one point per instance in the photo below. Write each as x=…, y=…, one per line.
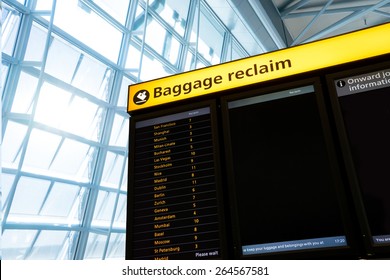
x=362, y=101
x=281, y=173
x=175, y=211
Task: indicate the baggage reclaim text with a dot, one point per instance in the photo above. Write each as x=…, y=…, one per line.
x=209, y=82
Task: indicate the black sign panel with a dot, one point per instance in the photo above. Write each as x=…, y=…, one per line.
x=364, y=102
x=285, y=188
x=175, y=201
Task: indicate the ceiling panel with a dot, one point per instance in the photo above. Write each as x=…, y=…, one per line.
x=310, y=20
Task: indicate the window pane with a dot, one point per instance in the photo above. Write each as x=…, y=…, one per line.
x=237, y=53
x=95, y=246
x=92, y=77
x=10, y=26
x=210, y=39
x=72, y=159
x=200, y=64
x=138, y=25
x=161, y=41
x=190, y=62
x=117, y=9
x=57, y=108
x=3, y=75
x=41, y=149
x=112, y=170
x=15, y=243
x=124, y=180
x=12, y=143
x=36, y=43
x=7, y=181
x=133, y=58
x=120, y=215
x=52, y=105
x=48, y=245
x=116, y=248
x=86, y=126
x=104, y=209
x=123, y=94
x=43, y=5
x=29, y=196
x=62, y=199
x=88, y=27
x=24, y=94
x=159, y=70
x=60, y=53
x=173, y=12
x=120, y=131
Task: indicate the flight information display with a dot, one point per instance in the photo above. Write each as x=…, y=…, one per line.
x=175, y=211
x=284, y=185
x=364, y=101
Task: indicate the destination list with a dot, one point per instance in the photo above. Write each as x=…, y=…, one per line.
x=175, y=203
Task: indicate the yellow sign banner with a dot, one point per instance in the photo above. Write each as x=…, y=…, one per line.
x=325, y=53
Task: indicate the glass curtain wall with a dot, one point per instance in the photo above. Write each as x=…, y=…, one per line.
x=66, y=66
